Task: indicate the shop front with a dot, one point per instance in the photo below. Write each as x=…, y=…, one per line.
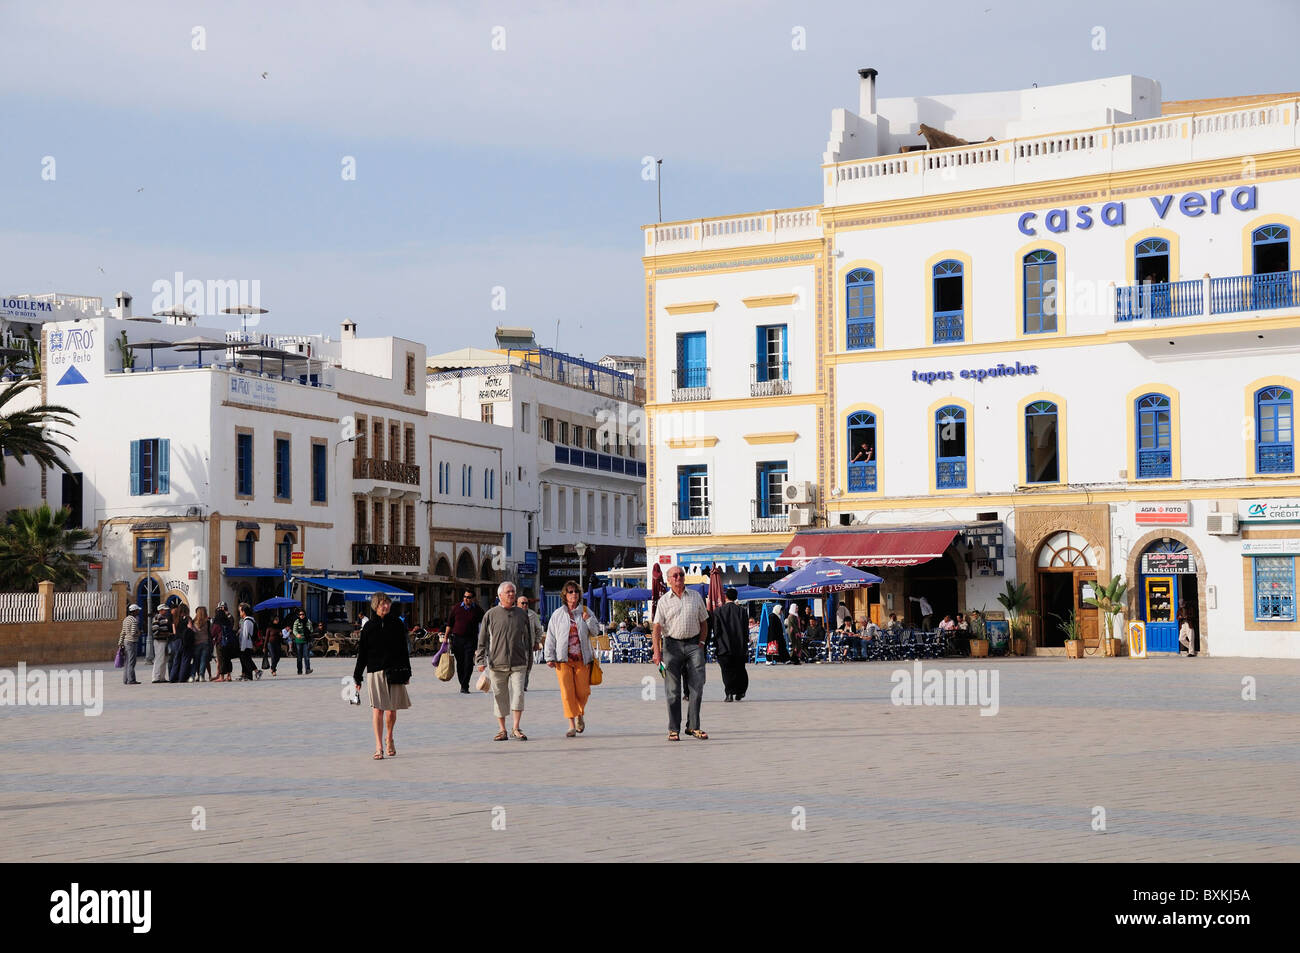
x=1167, y=588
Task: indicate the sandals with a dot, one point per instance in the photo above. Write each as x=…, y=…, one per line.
x=392, y=749
x=674, y=736
x=378, y=756
x=698, y=733
x=500, y=735
x=520, y=735
x=571, y=733
x=582, y=725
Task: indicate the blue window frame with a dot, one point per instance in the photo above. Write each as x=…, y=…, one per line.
x=860, y=309
x=949, y=302
x=469, y=480
x=319, y=473
x=1271, y=249
x=160, y=553
x=950, y=448
x=150, y=466
x=1274, y=588
x=769, y=478
x=692, y=360
x=283, y=474
x=862, y=452
x=1042, y=463
x=245, y=549
x=244, y=464
x=1155, y=458
x=771, y=362
x=1040, y=291
x=1275, y=427
x=284, y=550
x=509, y=546
x=693, y=492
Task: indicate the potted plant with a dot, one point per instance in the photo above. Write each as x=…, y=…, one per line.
x=1073, y=632
x=1109, y=601
x=128, y=355
x=1015, y=599
x=979, y=643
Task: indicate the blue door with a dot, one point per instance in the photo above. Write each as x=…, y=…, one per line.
x=1159, y=605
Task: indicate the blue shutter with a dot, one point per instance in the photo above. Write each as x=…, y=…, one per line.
x=508, y=544
x=683, y=492
x=135, y=467
x=785, y=360
x=164, y=466
x=760, y=354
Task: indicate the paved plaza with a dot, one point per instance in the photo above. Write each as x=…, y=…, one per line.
x=1185, y=769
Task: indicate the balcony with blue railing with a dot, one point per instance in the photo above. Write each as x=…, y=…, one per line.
x=951, y=475
x=1155, y=464
x=591, y=460
x=691, y=383
x=1275, y=458
x=770, y=379
x=949, y=326
x=862, y=477
x=861, y=335
x=1230, y=294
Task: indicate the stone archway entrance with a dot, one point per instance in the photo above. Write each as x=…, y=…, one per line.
x=1065, y=570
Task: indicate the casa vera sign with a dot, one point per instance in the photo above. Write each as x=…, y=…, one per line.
x=1244, y=198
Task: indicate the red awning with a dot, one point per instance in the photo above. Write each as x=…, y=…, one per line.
x=890, y=548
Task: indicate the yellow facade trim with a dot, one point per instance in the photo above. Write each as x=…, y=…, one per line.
x=840, y=291
x=691, y=307
x=1250, y=424
x=1059, y=296
x=715, y=256
x=788, y=436
x=1066, y=497
x=1175, y=432
x=690, y=443
x=769, y=541
x=967, y=296
x=1022, y=475
x=769, y=301
x=737, y=403
x=1131, y=243
x=1247, y=231
x=932, y=427
x=845, y=452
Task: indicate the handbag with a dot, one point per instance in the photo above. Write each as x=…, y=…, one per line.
x=446, y=667
x=120, y=658
x=771, y=648
x=594, y=676
x=398, y=675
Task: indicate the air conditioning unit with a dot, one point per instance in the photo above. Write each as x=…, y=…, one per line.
x=1221, y=524
x=800, y=492
x=801, y=515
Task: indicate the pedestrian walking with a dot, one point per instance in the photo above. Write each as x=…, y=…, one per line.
x=127, y=642
x=731, y=645
x=162, y=634
x=302, y=634
x=1186, y=634
x=385, y=661
x=681, y=630
x=568, y=651
x=225, y=641
x=505, y=644
x=202, y=627
x=792, y=628
x=462, y=628
x=188, y=646
x=247, y=637
x=539, y=637
x=180, y=618
x=927, y=612
x=273, y=644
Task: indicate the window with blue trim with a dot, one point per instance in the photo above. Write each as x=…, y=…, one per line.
x=244, y=549
x=319, y=473
x=150, y=467
x=160, y=553
x=1275, y=427
x=1274, y=588
x=950, y=448
x=1270, y=249
x=1040, y=291
x=1155, y=456
x=244, y=464
x=693, y=492
x=509, y=545
x=692, y=360
x=949, y=302
x=770, y=480
x=860, y=309
x=1042, y=464
x=862, y=452
x=283, y=478
x=770, y=360
x=1151, y=261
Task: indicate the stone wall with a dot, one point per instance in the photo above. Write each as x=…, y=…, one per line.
x=55, y=643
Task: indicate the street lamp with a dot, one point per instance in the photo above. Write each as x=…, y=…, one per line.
x=581, y=550
x=150, y=550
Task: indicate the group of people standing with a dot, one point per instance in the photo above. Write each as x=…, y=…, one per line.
x=184, y=648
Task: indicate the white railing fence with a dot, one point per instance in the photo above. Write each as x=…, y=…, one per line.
x=17, y=607
x=84, y=607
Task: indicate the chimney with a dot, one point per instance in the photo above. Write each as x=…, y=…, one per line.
x=123, y=304
x=867, y=92
x=349, y=332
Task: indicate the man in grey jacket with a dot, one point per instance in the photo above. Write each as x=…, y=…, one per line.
x=505, y=647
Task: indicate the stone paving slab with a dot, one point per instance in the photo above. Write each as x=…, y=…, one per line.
x=1185, y=769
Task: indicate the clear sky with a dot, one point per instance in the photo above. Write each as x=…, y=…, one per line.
x=478, y=167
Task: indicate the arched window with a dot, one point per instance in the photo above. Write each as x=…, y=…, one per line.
x=1155, y=459
x=1275, y=430
x=148, y=589
x=1042, y=464
x=949, y=302
x=860, y=309
x=862, y=452
x=950, y=448
x=1040, y=291
x=1065, y=549
x=1272, y=285
x=284, y=550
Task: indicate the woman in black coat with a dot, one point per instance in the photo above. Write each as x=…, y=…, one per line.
x=383, y=654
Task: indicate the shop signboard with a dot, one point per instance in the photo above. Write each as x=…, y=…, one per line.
x=1271, y=547
x=1163, y=514
x=1269, y=511
x=1169, y=564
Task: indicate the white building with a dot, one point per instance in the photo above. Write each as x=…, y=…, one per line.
x=1066, y=353
x=573, y=432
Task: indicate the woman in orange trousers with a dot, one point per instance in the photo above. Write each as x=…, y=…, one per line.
x=568, y=651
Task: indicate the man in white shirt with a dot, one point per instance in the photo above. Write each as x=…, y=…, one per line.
x=927, y=612
x=681, y=631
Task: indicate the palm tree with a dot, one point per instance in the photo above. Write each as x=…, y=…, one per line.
x=1015, y=599
x=36, y=545
x=1109, y=600
x=31, y=431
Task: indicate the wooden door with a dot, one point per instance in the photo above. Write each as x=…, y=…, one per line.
x=1089, y=617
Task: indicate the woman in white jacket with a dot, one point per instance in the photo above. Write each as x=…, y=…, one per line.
x=568, y=651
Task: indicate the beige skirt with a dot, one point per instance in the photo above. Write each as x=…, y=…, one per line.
x=386, y=697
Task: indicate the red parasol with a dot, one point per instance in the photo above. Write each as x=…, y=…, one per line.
x=716, y=596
